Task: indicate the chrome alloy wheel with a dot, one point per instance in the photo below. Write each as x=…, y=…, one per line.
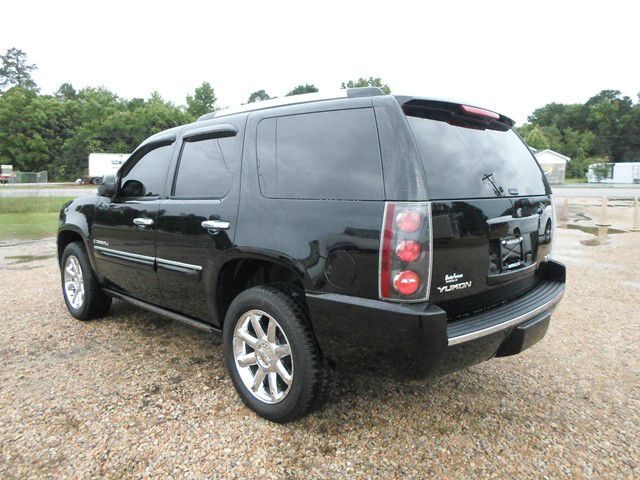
x=73, y=282
x=263, y=356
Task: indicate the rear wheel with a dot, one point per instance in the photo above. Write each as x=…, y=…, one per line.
x=83, y=296
x=272, y=355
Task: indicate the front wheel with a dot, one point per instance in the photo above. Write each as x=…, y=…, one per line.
x=272, y=356
x=82, y=294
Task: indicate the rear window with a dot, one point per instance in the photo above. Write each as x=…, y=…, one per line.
x=322, y=155
x=469, y=159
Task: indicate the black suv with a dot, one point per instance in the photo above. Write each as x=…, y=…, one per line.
x=294, y=226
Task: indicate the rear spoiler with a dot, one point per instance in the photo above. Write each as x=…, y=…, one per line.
x=411, y=105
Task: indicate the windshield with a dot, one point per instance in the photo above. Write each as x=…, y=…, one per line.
x=466, y=158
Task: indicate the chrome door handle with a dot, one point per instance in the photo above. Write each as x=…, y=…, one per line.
x=215, y=225
x=143, y=222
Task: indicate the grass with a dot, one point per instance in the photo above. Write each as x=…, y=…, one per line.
x=29, y=217
x=44, y=186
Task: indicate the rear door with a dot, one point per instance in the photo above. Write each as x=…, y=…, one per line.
x=197, y=220
x=124, y=229
x=491, y=207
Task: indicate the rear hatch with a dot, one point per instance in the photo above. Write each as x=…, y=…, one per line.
x=491, y=206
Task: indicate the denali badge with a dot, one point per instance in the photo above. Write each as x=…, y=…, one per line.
x=455, y=286
x=453, y=277
x=100, y=242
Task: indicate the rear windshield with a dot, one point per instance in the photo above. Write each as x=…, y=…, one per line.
x=466, y=158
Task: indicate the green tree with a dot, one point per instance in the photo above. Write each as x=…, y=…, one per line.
x=203, y=101
x=601, y=170
x=306, y=88
x=258, y=96
x=367, y=82
x=33, y=129
x=577, y=167
x=66, y=92
x=15, y=71
x=537, y=139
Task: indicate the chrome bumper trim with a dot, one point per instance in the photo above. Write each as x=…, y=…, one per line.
x=549, y=306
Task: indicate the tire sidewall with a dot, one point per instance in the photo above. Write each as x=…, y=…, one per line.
x=258, y=299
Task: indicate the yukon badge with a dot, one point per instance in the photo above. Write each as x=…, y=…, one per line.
x=454, y=286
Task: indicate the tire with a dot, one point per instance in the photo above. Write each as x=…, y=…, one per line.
x=309, y=372
x=547, y=232
x=95, y=303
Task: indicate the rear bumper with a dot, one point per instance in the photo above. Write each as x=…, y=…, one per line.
x=351, y=328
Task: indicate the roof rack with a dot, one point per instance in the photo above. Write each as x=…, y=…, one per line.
x=295, y=99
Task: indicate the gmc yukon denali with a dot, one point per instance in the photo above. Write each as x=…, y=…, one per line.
x=421, y=226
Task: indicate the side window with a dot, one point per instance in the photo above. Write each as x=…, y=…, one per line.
x=203, y=171
x=266, y=157
x=322, y=155
x=146, y=178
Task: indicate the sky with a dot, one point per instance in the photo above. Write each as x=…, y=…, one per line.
x=509, y=56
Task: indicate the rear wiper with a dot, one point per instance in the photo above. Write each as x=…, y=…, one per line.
x=498, y=190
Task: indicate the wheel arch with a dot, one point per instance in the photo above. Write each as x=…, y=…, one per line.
x=68, y=234
x=252, y=269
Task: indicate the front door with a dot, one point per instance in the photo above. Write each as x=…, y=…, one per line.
x=124, y=228
x=197, y=220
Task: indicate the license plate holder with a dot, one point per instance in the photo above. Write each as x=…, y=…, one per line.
x=511, y=253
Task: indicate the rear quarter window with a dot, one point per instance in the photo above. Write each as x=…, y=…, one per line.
x=322, y=155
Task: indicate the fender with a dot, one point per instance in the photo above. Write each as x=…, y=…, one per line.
x=76, y=216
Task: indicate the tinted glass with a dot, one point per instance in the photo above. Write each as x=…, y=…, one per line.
x=203, y=171
x=266, y=157
x=147, y=177
x=469, y=162
x=323, y=155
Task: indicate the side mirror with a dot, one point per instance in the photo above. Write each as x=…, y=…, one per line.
x=107, y=187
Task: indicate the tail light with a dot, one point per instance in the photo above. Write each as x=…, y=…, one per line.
x=405, y=252
x=479, y=111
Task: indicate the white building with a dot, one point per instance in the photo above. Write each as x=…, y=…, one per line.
x=623, y=172
x=553, y=164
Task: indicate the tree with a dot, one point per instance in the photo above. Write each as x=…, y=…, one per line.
x=536, y=138
x=306, y=88
x=602, y=170
x=258, y=96
x=203, y=101
x=368, y=82
x=577, y=167
x=33, y=129
x=66, y=92
x=15, y=70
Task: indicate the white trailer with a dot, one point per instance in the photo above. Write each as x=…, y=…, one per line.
x=622, y=172
x=101, y=164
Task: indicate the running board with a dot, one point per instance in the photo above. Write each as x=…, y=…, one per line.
x=192, y=322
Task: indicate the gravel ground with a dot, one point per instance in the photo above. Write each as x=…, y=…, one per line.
x=135, y=395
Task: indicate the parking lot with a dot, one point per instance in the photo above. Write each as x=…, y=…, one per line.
x=137, y=395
